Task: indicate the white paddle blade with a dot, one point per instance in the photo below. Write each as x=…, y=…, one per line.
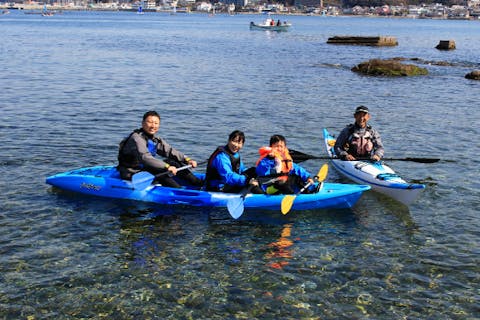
x=142, y=180
x=235, y=207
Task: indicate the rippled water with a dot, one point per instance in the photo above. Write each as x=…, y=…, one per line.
x=74, y=84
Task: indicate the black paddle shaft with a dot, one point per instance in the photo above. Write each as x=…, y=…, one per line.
x=298, y=157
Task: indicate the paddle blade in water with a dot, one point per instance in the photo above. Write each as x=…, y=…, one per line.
x=235, y=207
x=287, y=203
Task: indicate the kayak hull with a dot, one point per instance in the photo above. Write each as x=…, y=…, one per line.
x=104, y=181
x=378, y=175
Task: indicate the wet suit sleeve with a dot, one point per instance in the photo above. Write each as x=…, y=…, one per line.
x=224, y=167
x=340, y=143
x=144, y=155
x=166, y=150
x=266, y=167
x=301, y=172
x=377, y=144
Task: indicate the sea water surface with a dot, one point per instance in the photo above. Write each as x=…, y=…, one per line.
x=74, y=84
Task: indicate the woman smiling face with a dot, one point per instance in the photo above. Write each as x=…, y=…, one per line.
x=235, y=144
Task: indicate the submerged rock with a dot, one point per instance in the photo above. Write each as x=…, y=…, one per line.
x=393, y=68
x=474, y=75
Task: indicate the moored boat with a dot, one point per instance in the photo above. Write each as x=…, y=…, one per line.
x=376, y=174
x=104, y=181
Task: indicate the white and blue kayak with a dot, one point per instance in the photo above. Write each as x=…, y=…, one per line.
x=374, y=173
x=105, y=181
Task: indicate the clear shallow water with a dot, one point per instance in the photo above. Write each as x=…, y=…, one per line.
x=73, y=85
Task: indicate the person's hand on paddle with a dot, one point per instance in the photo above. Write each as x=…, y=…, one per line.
x=349, y=157
x=172, y=170
x=253, y=182
x=193, y=163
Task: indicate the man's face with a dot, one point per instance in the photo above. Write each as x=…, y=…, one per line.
x=151, y=125
x=361, y=119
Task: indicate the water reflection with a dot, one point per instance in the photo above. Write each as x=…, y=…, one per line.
x=280, y=250
x=389, y=208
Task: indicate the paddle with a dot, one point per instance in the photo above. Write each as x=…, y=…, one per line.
x=143, y=179
x=287, y=201
x=298, y=156
x=236, y=206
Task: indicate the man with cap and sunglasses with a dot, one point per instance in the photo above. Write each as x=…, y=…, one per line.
x=359, y=140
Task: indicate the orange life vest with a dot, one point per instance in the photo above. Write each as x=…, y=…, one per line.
x=284, y=159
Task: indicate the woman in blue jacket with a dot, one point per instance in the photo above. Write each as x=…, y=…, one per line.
x=226, y=171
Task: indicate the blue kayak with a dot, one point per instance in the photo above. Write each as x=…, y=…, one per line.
x=105, y=181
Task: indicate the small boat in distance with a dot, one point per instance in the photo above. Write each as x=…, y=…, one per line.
x=45, y=12
x=270, y=24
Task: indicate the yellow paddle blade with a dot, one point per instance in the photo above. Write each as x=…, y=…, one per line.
x=287, y=203
x=322, y=173
x=331, y=142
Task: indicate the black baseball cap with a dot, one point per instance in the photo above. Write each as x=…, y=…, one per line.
x=361, y=109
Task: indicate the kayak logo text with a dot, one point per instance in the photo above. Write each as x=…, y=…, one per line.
x=90, y=186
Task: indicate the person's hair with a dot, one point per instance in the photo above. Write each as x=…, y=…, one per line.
x=151, y=114
x=277, y=138
x=237, y=134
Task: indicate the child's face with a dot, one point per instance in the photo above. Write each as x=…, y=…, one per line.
x=279, y=146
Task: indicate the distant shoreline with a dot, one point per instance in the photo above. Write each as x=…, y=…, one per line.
x=38, y=8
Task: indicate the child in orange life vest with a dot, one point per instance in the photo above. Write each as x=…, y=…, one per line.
x=275, y=161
